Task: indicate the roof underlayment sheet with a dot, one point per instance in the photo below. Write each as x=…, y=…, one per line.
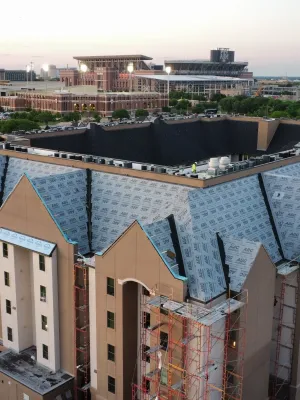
x=240, y=256
x=17, y=167
x=160, y=234
x=65, y=196
x=28, y=242
x=283, y=193
x=62, y=189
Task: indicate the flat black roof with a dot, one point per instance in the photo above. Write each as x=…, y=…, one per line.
x=24, y=369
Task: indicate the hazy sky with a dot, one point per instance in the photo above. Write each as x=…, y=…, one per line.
x=264, y=32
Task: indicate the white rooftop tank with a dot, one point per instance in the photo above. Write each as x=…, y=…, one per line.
x=224, y=162
x=213, y=162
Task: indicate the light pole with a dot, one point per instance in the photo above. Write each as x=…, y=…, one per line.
x=83, y=69
x=130, y=70
x=168, y=71
x=45, y=68
x=28, y=68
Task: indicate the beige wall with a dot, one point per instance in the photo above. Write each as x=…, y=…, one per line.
x=12, y=390
x=132, y=258
x=260, y=284
x=266, y=131
x=25, y=213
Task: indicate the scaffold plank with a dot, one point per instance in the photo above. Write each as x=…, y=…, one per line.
x=153, y=349
x=152, y=373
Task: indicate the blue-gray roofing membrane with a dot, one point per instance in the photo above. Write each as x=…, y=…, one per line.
x=236, y=210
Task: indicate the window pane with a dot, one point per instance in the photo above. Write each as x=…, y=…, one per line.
x=111, y=286
x=164, y=340
x=111, y=384
x=45, y=351
x=43, y=293
x=9, y=334
x=5, y=250
x=145, y=356
x=110, y=320
x=44, y=323
x=8, y=306
x=111, y=352
x=6, y=279
x=42, y=262
x=146, y=320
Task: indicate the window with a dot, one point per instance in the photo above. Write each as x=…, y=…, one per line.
x=164, y=340
x=8, y=306
x=111, y=352
x=233, y=339
x=45, y=351
x=111, y=384
x=164, y=311
x=42, y=262
x=44, y=323
x=5, y=250
x=43, y=293
x=146, y=292
x=25, y=396
x=6, y=278
x=146, y=321
x=110, y=320
x=146, y=384
x=164, y=376
x=9, y=334
x=145, y=356
x=111, y=286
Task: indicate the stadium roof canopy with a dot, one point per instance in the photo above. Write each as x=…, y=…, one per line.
x=188, y=78
x=245, y=63
x=121, y=57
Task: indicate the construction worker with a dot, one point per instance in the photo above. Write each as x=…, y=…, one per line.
x=194, y=168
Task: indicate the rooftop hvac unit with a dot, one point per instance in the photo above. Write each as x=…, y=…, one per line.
x=127, y=164
x=144, y=167
x=252, y=163
x=230, y=168
x=56, y=154
x=63, y=155
x=213, y=162
x=212, y=171
x=160, y=170
x=224, y=162
x=236, y=166
x=110, y=162
x=266, y=158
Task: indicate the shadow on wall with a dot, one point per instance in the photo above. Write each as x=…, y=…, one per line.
x=161, y=143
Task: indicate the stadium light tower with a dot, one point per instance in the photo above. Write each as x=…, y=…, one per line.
x=130, y=70
x=28, y=69
x=45, y=68
x=168, y=71
x=83, y=69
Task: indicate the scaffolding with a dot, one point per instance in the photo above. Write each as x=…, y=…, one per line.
x=284, y=320
x=191, y=352
x=81, y=328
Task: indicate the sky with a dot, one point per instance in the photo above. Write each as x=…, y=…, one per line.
x=263, y=32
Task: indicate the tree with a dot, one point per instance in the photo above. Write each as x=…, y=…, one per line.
x=97, y=117
x=1, y=109
x=166, y=109
x=173, y=102
x=141, y=113
x=183, y=105
x=198, y=109
x=217, y=97
x=46, y=117
x=120, y=114
x=72, y=117
x=279, y=114
x=11, y=125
